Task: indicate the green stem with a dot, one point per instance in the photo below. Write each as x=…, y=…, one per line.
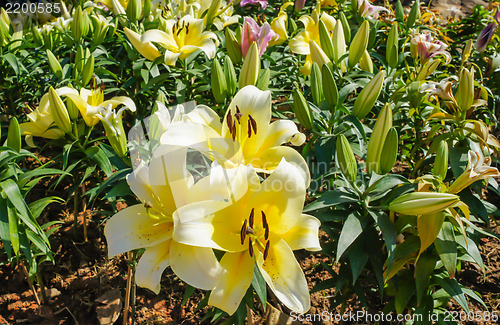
x=42, y=287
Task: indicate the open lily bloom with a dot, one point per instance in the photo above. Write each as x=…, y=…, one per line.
x=424, y=46
x=478, y=167
x=182, y=37
x=89, y=103
x=146, y=49
x=252, y=32
x=260, y=224
x=263, y=3
x=42, y=123
x=163, y=186
x=442, y=89
x=226, y=17
x=246, y=135
x=367, y=9
x=301, y=43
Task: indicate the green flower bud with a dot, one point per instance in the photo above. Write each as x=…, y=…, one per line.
x=391, y=54
x=14, y=135
x=400, y=14
x=419, y=203
x=233, y=46
x=413, y=15
x=212, y=11
x=389, y=151
x=218, y=80
x=465, y=91
x=88, y=70
x=359, y=44
x=345, y=26
x=366, y=63
x=428, y=68
x=302, y=110
x=330, y=89
x=80, y=24
x=58, y=111
x=230, y=75
x=441, y=163
x=250, y=70
x=134, y=10
x=368, y=96
x=325, y=40
x=377, y=139
x=54, y=64
x=264, y=79
x=345, y=158
x=316, y=84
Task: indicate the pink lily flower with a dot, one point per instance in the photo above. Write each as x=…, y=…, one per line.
x=485, y=36
x=252, y=32
x=425, y=47
x=263, y=3
x=367, y=9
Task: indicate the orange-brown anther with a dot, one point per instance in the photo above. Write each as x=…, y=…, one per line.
x=249, y=127
x=264, y=220
x=253, y=123
x=250, y=219
x=266, y=250
x=234, y=131
x=243, y=232
x=266, y=233
x=102, y=86
x=238, y=114
x=250, y=247
x=229, y=121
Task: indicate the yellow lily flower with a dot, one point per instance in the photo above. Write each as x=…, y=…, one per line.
x=147, y=49
x=42, y=123
x=246, y=135
x=90, y=101
x=261, y=224
x=301, y=44
x=478, y=167
x=162, y=186
x=182, y=37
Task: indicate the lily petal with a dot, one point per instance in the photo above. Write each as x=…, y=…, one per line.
x=304, y=235
x=151, y=266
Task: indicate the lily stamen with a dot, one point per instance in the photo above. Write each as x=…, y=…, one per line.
x=253, y=123
x=229, y=121
x=266, y=250
x=250, y=247
x=238, y=114
x=249, y=127
x=251, y=218
x=243, y=232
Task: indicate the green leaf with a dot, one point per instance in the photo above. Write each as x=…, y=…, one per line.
x=260, y=286
x=474, y=295
x=453, y=288
x=332, y=198
x=424, y=269
x=429, y=226
x=353, y=227
x=471, y=249
x=324, y=285
x=4, y=227
x=38, y=206
x=358, y=258
x=41, y=172
x=14, y=63
x=187, y=294
x=13, y=228
x=95, y=153
x=406, y=289
x=389, y=233
x=446, y=247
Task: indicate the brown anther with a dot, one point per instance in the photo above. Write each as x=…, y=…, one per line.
x=238, y=114
x=250, y=219
x=264, y=220
x=266, y=233
x=229, y=121
x=253, y=123
x=187, y=28
x=266, y=250
x=249, y=128
x=243, y=232
x=234, y=131
x=250, y=247
x=179, y=31
x=147, y=205
x=102, y=86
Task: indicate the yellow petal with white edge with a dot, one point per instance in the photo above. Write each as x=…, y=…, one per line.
x=160, y=37
x=268, y=161
x=193, y=223
x=82, y=105
x=138, y=181
x=234, y=281
x=120, y=100
x=300, y=44
x=280, y=132
x=151, y=266
x=285, y=278
x=196, y=266
x=304, y=234
x=205, y=115
x=133, y=228
x=169, y=58
x=146, y=49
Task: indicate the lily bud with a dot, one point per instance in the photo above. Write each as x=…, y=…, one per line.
x=54, y=64
x=391, y=54
x=339, y=44
x=400, y=14
x=72, y=111
x=299, y=4
x=250, y=70
x=441, y=163
x=147, y=8
x=377, y=139
x=230, y=75
x=88, y=70
x=4, y=33
x=302, y=110
x=14, y=135
x=366, y=63
x=345, y=158
x=465, y=91
x=316, y=84
x=292, y=26
x=134, y=10
x=368, y=96
x=4, y=17
x=413, y=15
x=317, y=54
x=359, y=44
x=264, y=78
x=330, y=89
x=325, y=40
x=58, y=111
x=345, y=26
x=419, y=203
x=37, y=37
x=212, y=12
x=467, y=51
x=218, y=82
x=80, y=24
x=428, y=69
x=390, y=151
x=233, y=46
